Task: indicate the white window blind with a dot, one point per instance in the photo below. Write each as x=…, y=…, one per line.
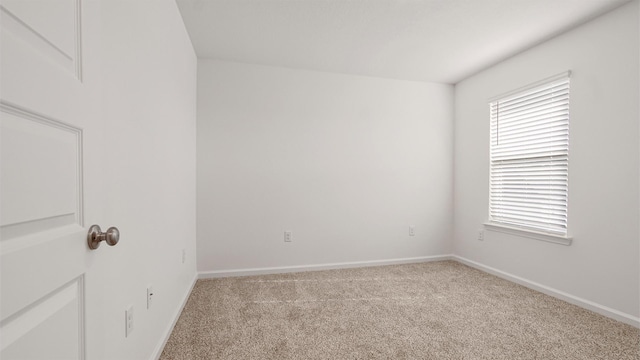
x=529, y=157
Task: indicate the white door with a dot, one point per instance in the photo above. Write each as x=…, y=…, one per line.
x=49, y=183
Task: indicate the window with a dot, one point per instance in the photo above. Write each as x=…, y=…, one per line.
x=530, y=158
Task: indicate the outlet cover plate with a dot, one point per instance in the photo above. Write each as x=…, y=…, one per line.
x=128, y=321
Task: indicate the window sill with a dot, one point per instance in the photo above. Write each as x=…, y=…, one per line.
x=556, y=239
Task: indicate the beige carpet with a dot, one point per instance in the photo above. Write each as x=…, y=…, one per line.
x=438, y=310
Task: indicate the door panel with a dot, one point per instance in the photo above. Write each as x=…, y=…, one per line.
x=42, y=243
x=49, y=27
x=47, y=180
x=58, y=317
x=42, y=187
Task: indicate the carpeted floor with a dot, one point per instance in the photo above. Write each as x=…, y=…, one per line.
x=437, y=310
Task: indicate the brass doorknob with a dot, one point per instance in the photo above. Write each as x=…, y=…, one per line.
x=95, y=236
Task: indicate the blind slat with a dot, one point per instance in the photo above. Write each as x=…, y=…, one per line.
x=540, y=120
x=544, y=106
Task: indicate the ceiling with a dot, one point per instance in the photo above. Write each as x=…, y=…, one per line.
x=425, y=40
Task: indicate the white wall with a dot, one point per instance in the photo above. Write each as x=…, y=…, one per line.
x=149, y=108
x=602, y=264
x=346, y=163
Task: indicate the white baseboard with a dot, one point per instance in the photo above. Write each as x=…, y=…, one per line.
x=583, y=303
x=589, y=305
x=300, y=268
x=176, y=316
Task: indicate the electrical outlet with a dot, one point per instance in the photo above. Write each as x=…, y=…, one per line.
x=481, y=235
x=149, y=296
x=412, y=230
x=128, y=320
x=287, y=236
x=184, y=255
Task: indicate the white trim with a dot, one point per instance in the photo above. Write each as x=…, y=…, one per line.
x=511, y=230
x=300, y=268
x=583, y=303
x=158, y=351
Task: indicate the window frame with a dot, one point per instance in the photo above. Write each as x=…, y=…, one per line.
x=514, y=229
